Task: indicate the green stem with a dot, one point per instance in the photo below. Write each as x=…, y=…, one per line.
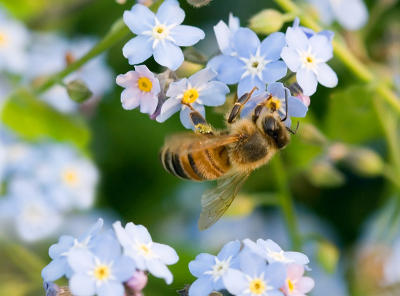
x=345, y=55
x=286, y=203
x=117, y=32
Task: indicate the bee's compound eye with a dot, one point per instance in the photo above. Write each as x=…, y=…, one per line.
x=270, y=127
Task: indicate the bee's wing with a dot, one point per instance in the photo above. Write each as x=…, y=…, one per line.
x=216, y=201
x=197, y=142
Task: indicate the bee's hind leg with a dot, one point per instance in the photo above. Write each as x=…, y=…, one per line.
x=199, y=122
x=237, y=107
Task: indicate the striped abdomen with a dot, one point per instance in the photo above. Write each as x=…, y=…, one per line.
x=207, y=164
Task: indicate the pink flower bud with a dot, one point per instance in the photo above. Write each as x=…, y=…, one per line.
x=137, y=282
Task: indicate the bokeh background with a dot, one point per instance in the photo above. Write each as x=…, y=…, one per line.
x=340, y=168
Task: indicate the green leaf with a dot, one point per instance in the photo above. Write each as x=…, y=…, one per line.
x=33, y=119
x=351, y=117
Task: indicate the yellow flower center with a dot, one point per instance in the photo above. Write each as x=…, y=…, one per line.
x=290, y=285
x=70, y=177
x=257, y=286
x=144, y=84
x=3, y=39
x=310, y=60
x=102, y=272
x=190, y=96
x=273, y=104
x=160, y=31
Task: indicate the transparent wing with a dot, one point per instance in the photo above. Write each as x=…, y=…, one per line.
x=191, y=142
x=216, y=201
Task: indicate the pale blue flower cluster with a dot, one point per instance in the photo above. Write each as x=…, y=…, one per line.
x=44, y=182
x=108, y=263
x=251, y=268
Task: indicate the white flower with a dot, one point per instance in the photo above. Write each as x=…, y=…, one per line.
x=148, y=255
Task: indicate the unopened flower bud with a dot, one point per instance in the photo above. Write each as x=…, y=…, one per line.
x=136, y=283
x=310, y=134
x=327, y=256
x=267, y=21
x=78, y=91
x=364, y=162
x=146, y=2
x=199, y=3
x=338, y=151
x=324, y=174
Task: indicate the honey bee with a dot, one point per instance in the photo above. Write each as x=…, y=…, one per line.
x=228, y=156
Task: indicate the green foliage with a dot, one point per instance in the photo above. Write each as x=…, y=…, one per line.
x=33, y=120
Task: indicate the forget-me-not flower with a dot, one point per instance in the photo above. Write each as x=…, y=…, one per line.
x=159, y=34
x=351, y=14
x=101, y=271
x=141, y=89
x=255, y=277
x=147, y=255
x=198, y=90
x=59, y=252
x=272, y=252
x=308, y=57
x=255, y=63
x=277, y=102
x=211, y=271
x=296, y=284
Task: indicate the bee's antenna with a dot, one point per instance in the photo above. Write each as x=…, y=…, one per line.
x=293, y=132
x=287, y=107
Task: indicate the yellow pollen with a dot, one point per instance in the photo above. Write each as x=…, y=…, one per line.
x=254, y=65
x=257, y=286
x=3, y=39
x=309, y=60
x=160, y=30
x=290, y=286
x=273, y=104
x=102, y=272
x=70, y=177
x=144, y=84
x=145, y=249
x=190, y=96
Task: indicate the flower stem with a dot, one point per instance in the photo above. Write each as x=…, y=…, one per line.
x=286, y=203
x=345, y=55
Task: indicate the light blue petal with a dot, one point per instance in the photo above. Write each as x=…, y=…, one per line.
x=139, y=19
x=166, y=254
x=298, y=258
x=326, y=76
x=324, y=10
x=271, y=47
x=251, y=263
x=168, y=54
x=291, y=58
x=201, y=287
x=214, y=94
x=169, y=12
x=321, y=47
x=245, y=42
x=288, y=122
x=231, y=69
x=216, y=62
x=170, y=107
x=138, y=49
x=223, y=35
x=328, y=34
x=269, y=244
x=130, y=98
x=201, y=264
x=351, y=14
x=106, y=247
x=252, y=103
x=82, y=285
x=276, y=89
x=122, y=235
x=234, y=22
x=55, y=269
x=230, y=249
x=185, y=118
x=123, y=268
x=177, y=88
x=296, y=108
x=148, y=104
x=96, y=227
x=276, y=275
x=274, y=71
x=158, y=269
x=80, y=260
x=138, y=233
x=297, y=39
x=307, y=81
x=202, y=77
x=235, y=281
x=186, y=35
x=246, y=85
x=64, y=244
x=111, y=288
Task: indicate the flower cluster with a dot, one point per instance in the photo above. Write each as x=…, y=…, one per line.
x=244, y=61
x=251, y=268
x=44, y=182
x=110, y=263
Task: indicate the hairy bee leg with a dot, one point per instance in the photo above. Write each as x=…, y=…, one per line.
x=257, y=111
x=237, y=108
x=199, y=122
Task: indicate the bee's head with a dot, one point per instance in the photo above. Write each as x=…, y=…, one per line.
x=273, y=127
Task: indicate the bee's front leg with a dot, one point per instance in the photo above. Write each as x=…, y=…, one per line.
x=237, y=107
